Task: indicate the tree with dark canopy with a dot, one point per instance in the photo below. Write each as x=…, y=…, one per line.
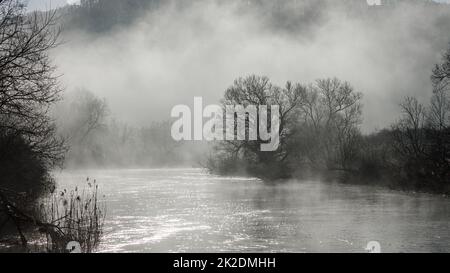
x=29, y=147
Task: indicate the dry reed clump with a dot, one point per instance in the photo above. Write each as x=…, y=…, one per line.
x=76, y=216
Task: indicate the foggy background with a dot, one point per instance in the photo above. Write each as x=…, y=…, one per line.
x=170, y=54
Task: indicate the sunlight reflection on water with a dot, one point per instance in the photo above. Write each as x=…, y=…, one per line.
x=188, y=210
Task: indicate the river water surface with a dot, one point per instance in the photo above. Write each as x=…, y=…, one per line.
x=188, y=210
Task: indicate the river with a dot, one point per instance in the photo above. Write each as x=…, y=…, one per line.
x=189, y=210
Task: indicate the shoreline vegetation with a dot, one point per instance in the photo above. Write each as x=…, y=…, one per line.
x=51, y=223
x=320, y=135
x=33, y=216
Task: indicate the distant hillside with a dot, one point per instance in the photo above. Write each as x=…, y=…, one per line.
x=292, y=15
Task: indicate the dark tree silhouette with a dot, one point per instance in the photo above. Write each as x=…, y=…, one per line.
x=256, y=91
x=318, y=128
x=29, y=147
x=28, y=85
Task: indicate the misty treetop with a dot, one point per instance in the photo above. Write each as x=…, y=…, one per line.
x=321, y=136
x=318, y=125
x=97, y=138
x=215, y=42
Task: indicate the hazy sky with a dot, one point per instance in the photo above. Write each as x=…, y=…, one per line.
x=44, y=4
x=145, y=69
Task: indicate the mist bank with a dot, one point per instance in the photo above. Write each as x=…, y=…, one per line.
x=97, y=139
x=153, y=56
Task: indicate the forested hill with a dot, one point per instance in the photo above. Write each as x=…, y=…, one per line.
x=292, y=15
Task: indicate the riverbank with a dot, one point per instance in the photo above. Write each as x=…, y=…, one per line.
x=383, y=181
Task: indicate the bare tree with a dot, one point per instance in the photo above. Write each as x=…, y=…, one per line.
x=441, y=72
x=256, y=91
x=83, y=121
x=318, y=126
x=330, y=115
x=28, y=85
x=29, y=147
x=84, y=113
x=409, y=131
x=438, y=119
